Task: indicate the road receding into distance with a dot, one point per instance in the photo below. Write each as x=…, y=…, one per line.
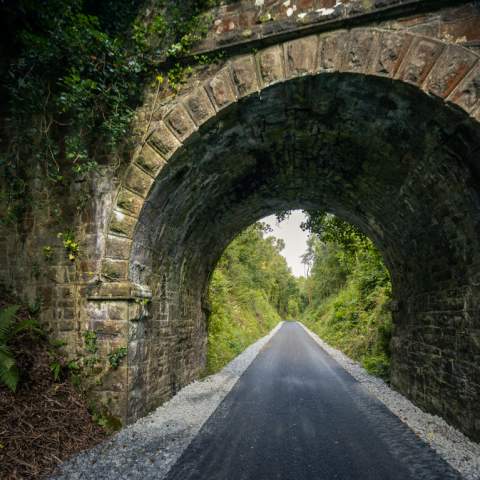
x=296, y=414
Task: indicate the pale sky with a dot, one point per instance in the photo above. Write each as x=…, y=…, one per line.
x=295, y=239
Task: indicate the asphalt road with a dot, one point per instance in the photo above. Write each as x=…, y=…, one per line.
x=296, y=414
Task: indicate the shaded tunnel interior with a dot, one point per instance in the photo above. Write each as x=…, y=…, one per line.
x=380, y=154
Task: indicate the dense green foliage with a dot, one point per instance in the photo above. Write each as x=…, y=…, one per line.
x=251, y=290
x=347, y=292
x=76, y=70
x=10, y=329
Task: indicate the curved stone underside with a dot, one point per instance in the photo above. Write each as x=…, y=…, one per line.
x=378, y=153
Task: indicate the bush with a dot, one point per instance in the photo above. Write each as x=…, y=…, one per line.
x=251, y=290
x=10, y=328
x=349, y=289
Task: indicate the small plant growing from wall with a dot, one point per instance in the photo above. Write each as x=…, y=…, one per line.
x=115, y=357
x=70, y=245
x=90, y=338
x=47, y=253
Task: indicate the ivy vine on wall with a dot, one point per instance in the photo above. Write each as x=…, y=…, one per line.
x=74, y=71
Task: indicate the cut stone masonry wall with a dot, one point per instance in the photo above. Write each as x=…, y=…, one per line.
x=376, y=123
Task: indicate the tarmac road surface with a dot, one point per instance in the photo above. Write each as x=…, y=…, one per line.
x=296, y=414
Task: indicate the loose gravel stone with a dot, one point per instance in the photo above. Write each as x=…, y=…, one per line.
x=148, y=448
x=151, y=446
x=460, y=452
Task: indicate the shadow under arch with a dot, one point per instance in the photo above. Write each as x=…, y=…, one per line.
x=378, y=153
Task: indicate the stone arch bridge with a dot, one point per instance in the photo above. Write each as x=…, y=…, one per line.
x=369, y=109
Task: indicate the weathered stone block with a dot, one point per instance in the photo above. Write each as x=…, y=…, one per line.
x=476, y=114
x=449, y=70
x=111, y=328
x=180, y=122
x=138, y=181
x=137, y=375
x=362, y=45
x=122, y=224
x=118, y=248
x=392, y=48
x=270, y=64
x=221, y=89
x=123, y=290
x=114, y=270
x=244, y=73
x=114, y=380
x=467, y=94
x=163, y=141
x=136, y=331
x=137, y=351
x=331, y=50
x=118, y=310
x=149, y=160
x=420, y=59
x=199, y=106
x=301, y=56
x=129, y=202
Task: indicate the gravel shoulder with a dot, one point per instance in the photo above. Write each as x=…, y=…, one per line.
x=454, y=447
x=148, y=448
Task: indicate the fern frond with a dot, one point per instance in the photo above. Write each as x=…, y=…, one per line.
x=9, y=374
x=7, y=360
x=27, y=325
x=7, y=319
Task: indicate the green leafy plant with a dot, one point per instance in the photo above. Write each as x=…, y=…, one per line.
x=348, y=292
x=56, y=369
x=90, y=339
x=104, y=419
x=9, y=373
x=78, y=74
x=115, y=357
x=69, y=244
x=251, y=290
x=9, y=329
x=57, y=343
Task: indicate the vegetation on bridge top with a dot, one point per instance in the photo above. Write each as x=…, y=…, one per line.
x=74, y=71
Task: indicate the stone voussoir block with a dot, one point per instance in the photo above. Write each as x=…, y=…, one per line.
x=301, y=56
x=476, y=114
x=180, y=122
x=122, y=224
x=149, y=160
x=393, y=47
x=467, y=94
x=245, y=75
x=452, y=66
x=419, y=60
x=221, y=89
x=118, y=248
x=362, y=46
x=199, y=106
x=331, y=49
x=270, y=63
x=129, y=202
x=163, y=141
x=138, y=181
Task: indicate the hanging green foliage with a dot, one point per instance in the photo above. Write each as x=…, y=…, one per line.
x=75, y=75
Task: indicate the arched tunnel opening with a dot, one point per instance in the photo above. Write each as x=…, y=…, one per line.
x=307, y=267
x=380, y=154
